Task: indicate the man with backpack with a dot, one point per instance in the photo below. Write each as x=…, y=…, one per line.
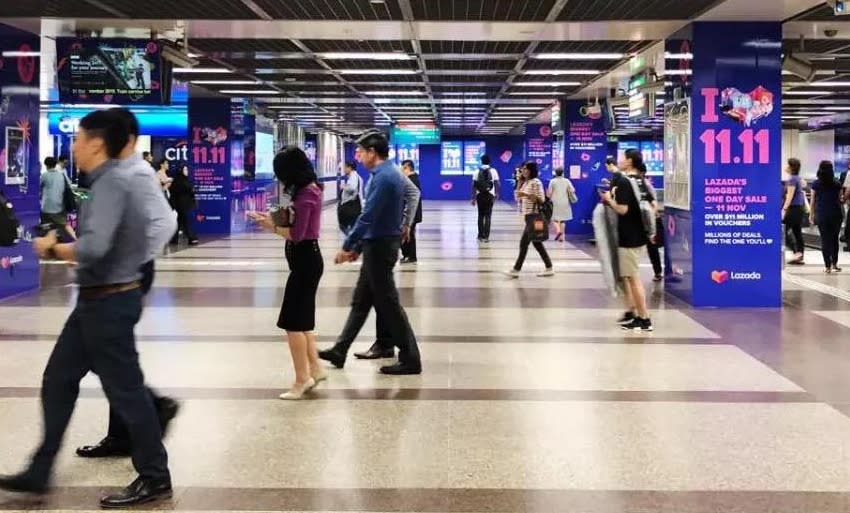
x=57, y=198
x=485, y=190
x=631, y=200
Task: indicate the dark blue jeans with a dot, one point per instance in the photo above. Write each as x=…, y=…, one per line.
x=99, y=337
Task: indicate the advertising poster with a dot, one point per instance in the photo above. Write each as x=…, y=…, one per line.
x=586, y=146
x=472, y=153
x=538, y=147
x=735, y=154
x=451, y=158
x=653, y=157
x=19, y=162
x=624, y=146
x=407, y=152
x=210, y=160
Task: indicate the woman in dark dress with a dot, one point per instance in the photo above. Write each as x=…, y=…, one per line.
x=299, y=225
x=826, y=212
x=183, y=201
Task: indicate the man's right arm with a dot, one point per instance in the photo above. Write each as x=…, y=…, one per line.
x=377, y=196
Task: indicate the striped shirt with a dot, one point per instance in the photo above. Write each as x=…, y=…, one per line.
x=529, y=205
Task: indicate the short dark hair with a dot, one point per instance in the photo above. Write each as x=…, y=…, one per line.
x=108, y=127
x=637, y=160
x=350, y=164
x=408, y=163
x=533, y=170
x=129, y=119
x=485, y=160
x=62, y=159
x=293, y=169
x=146, y=154
x=377, y=141
x=794, y=166
x=50, y=162
x=559, y=171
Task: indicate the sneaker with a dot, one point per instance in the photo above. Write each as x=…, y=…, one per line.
x=638, y=324
x=658, y=278
x=547, y=273
x=626, y=318
x=513, y=274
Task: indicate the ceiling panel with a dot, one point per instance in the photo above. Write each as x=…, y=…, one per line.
x=359, y=10
x=566, y=65
x=281, y=64
x=509, y=47
x=51, y=8
x=372, y=64
x=182, y=9
x=244, y=45
x=482, y=10
x=822, y=13
x=592, y=10
x=591, y=46
x=815, y=45
x=472, y=64
x=327, y=45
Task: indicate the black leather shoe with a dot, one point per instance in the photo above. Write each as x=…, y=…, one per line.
x=401, y=369
x=22, y=483
x=376, y=352
x=109, y=447
x=140, y=491
x=167, y=408
x=333, y=356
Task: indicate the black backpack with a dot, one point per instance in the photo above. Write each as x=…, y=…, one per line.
x=484, y=183
x=8, y=223
x=69, y=199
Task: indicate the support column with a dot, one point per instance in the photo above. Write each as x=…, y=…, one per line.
x=585, y=150
x=723, y=148
x=209, y=154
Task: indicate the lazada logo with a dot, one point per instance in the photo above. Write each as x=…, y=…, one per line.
x=721, y=277
x=7, y=262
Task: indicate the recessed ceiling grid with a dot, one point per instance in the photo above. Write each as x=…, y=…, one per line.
x=364, y=10
x=481, y=10
x=594, y=10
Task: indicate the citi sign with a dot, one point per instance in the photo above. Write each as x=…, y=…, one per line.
x=721, y=277
x=178, y=152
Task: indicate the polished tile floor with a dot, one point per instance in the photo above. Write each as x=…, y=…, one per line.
x=531, y=399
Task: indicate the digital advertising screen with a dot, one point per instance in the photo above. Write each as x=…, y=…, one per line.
x=265, y=155
x=115, y=71
x=407, y=152
x=451, y=158
x=624, y=146
x=472, y=153
x=653, y=157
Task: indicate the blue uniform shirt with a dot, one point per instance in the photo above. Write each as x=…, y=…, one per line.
x=383, y=209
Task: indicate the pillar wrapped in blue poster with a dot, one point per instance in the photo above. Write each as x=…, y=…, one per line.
x=19, y=165
x=731, y=197
x=209, y=160
x=585, y=150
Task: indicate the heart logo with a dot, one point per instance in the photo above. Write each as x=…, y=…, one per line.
x=506, y=156
x=746, y=108
x=720, y=277
x=200, y=218
x=4, y=262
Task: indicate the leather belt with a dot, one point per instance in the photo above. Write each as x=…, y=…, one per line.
x=101, y=291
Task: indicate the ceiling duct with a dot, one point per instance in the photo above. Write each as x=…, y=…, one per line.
x=798, y=67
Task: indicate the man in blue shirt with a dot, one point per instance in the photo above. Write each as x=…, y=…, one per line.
x=379, y=231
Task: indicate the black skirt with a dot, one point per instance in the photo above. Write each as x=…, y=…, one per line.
x=298, y=312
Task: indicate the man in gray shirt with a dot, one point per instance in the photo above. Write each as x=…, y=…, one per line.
x=99, y=334
x=162, y=226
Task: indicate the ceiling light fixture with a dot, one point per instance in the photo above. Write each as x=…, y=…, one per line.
x=394, y=93
x=454, y=93
x=249, y=91
x=377, y=71
x=201, y=70
x=557, y=72
x=579, y=56
x=377, y=56
x=224, y=82
x=546, y=84
x=532, y=93
x=806, y=93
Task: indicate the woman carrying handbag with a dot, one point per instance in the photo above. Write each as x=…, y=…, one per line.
x=531, y=201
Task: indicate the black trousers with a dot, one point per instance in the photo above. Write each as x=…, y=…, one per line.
x=523, y=252
x=830, y=230
x=653, y=248
x=184, y=224
x=408, y=249
x=99, y=337
x=794, y=221
x=485, y=202
x=847, y=230
x=376, y=288
x=117, y=428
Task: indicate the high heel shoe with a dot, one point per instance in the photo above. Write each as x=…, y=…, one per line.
x=320, y=376
x=297, y=391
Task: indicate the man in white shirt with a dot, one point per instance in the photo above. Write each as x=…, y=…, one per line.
x=485, y=190
x=350, y=201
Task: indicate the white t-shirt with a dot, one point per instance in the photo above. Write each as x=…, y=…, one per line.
x=494, y=175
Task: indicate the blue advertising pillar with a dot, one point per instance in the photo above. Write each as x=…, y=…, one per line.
x=209, y=156
x=19, y=164
x=585, y=150
x=723, y=149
